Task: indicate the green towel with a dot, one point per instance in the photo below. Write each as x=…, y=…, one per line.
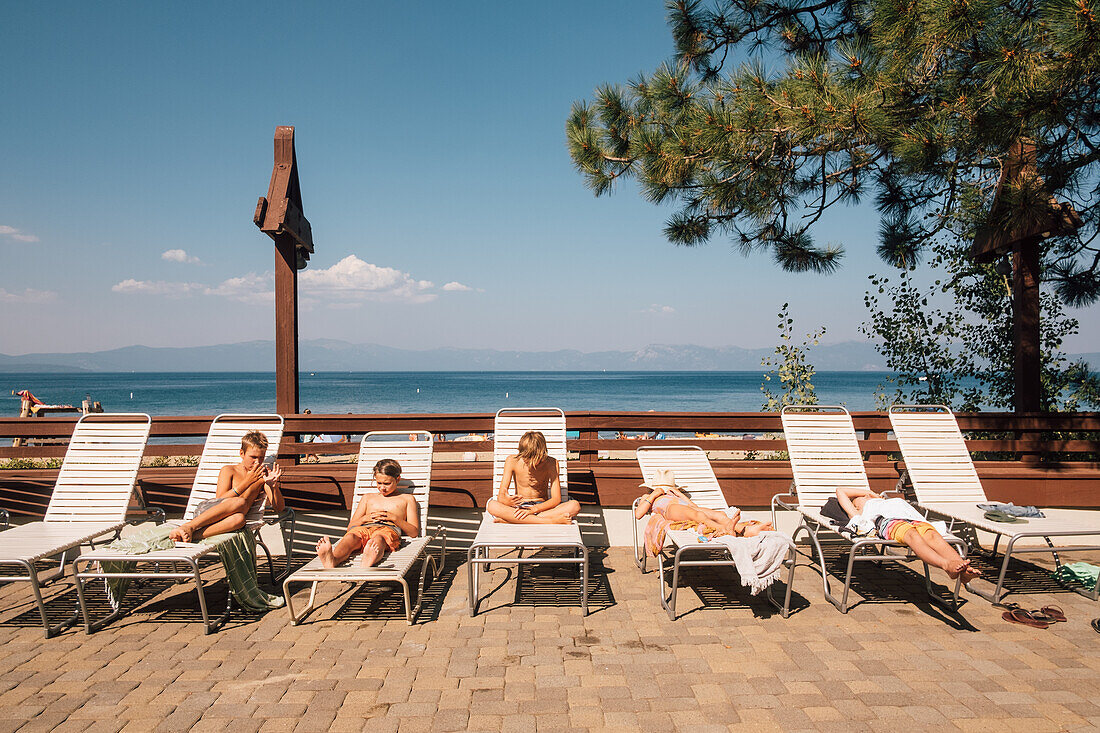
x=237, y=551
x=1078, y=573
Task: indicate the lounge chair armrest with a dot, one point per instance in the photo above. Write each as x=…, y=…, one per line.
x=439, y=530
x=145, y=513
x=787, y=502
x=5, y=518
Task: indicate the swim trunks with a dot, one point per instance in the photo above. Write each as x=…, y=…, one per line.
x=207, y=504
x=897, y=529
x=385, y=531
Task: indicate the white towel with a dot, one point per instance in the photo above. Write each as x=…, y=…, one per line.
x=758, y=559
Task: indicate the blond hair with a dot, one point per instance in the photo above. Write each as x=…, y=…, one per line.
x=532, y=448
x=254, y=439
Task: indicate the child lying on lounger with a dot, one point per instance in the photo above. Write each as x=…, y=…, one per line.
x=897, y=520
x=239, y=487
x=378, y=522
x=538, y=487
x=669, y=502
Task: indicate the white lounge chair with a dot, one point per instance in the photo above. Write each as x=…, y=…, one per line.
x=695, y=477
x=939, y=467
x=222, y=448
x=415, y=457
x=509, y=427
x=89, y=500
x=825, y=456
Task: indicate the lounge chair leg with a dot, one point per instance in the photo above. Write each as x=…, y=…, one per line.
x=584, y=582
x=32, y=576
x=91, y=626
x=408, y=601
x=428, y=559
x=792, y=562
x=825, y=590
x=471, y=578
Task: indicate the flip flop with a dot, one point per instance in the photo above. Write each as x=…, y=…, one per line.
x=1025, y=618
x=1096, y=625
x=1054, y=613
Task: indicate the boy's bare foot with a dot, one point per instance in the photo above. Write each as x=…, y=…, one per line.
x=324, y=551
x=181, y=533
x=969, y=573
x=371, y=556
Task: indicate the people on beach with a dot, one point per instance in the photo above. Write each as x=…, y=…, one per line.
x=538, y=487
x=897, y=520
x=239, y=487
x=667, y=501
x=377, y=524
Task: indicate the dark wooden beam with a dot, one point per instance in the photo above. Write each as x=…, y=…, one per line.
x=279, y=215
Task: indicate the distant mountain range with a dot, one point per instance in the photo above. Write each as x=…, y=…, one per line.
x=329, y=355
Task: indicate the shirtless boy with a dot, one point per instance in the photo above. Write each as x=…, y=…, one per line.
x=894, y=519
x=239, y=487
x=378, y=522
x=538, y=487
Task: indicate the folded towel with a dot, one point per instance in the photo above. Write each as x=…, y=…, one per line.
x=1078, y=572
x=1010, y=508
x=758, y=559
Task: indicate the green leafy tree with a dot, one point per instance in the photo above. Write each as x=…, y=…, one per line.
x=950, y=340
x=915, y=105
x=790, y=367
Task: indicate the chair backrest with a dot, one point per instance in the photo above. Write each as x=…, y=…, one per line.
x=223, y=448
x=100, y=467
x=824, y=451
x=510, y=425
x=410, y=448
x=690, y=469
x=935, y=454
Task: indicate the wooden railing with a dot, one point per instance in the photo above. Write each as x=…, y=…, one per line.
x=1047, y=459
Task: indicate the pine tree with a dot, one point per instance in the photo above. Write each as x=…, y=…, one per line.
x=917, y=104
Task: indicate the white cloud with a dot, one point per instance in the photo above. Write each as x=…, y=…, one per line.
x=28, y=295
x=655, y=308
x=250, y=288
x=16, y=234
x=346, y=284
x=155, y=287
x=352, y=279
x=179, y=255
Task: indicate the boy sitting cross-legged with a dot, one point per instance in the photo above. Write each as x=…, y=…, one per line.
x=378, y=522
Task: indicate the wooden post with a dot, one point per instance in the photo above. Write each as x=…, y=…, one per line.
x=279, y=215
x=286, y=326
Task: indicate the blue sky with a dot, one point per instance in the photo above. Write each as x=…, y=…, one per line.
x=430, y=137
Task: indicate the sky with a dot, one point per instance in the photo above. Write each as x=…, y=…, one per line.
x=446, y=212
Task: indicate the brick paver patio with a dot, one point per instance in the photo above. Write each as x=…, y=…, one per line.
x=894, y=662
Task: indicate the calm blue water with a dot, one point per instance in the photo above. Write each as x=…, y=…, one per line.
x=410, y=392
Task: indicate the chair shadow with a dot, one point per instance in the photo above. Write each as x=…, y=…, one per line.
x=381, y=601
x=719, y=589
x=552, y=585
x=891, y=581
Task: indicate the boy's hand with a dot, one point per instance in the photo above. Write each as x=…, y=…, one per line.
x=382, y=515
x=272, y=477
x=510, y=500
x=522, y=513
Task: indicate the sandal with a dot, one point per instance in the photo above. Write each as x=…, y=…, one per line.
x=1025, y=618
x=1096, y=625
x=1054, y=613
